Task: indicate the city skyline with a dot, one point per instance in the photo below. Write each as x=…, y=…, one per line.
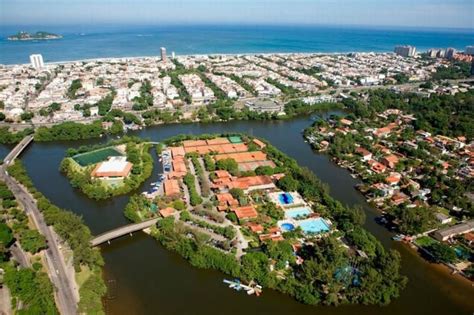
x=438, y=13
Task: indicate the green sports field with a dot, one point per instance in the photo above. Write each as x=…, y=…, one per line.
x=93, y=157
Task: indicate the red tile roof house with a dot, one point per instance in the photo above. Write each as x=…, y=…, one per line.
x=399, y=198
x=390, y=161
x=245, y=213
x=255, y=227
x=346, y=122
x=366, y=155
x=250, y=183
x=382, y=132
x=393, y=179
x=226, y=201
x=377, y=167
x=166, y=212
x=273, y=235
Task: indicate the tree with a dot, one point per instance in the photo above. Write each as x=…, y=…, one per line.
x=117, y=127
x=32, y=241
x=133, y=153
x=281, y=252
x=255, y=266
x=69, y=131
x=179, y=205
x=229, y=165
x=27, y=116
x=32, y=288
x=442, y=252
x=6, y=235
x=415, y=220
x=270, y=209
x=237, y=193
x=264, y=170
x=288, y=183
x=75, y=85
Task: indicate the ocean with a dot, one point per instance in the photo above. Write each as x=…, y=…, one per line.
x=85, y=42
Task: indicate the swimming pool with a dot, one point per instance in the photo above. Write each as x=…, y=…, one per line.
x=285, y=198
x=287, y=227
x=316, y=225
x=297, y=212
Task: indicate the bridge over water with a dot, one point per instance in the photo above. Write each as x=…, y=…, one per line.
x=121, y=231
x=20, y=147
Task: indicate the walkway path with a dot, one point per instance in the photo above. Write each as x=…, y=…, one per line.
x=5, y=301
x=20, y=256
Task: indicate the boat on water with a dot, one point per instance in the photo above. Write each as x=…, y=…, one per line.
x=398, y=237
x=251, y=288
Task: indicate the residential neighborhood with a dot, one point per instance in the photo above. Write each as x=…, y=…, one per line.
x=74, y=91
x=420, y=180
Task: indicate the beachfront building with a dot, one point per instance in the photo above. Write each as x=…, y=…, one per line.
x=405, y=51
x=37, y=61
x=163, y=54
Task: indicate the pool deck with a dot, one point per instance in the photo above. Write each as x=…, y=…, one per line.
x=325, y=224
x=297, y=199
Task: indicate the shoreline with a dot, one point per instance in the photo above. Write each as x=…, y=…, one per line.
x=104, y=59
x=437, y=267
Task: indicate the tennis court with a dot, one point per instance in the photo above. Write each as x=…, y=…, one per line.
x=93, y=157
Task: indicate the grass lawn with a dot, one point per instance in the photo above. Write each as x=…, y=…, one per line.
x=83, y=275
x=93, y=157
x=425, y=241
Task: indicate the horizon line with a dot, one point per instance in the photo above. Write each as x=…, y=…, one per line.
x=225, y=23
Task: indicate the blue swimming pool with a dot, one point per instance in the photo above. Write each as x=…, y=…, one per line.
x=285, y=199
x=285, y=227
x=297, y=212
x=316, y=225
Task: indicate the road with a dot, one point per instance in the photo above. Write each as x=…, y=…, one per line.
x=65, y=287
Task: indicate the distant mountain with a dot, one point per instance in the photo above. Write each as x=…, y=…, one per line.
x=34, y=36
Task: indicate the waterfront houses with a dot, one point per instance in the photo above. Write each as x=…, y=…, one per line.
x=421, y=181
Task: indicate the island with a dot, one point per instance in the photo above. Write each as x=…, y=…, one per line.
x=34, y=36
x=109, y=170
x=235, y=203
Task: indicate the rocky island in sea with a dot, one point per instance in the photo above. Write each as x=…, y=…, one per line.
x=34, y=36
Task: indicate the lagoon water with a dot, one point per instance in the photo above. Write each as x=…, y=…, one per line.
x=145, y=278
x=93, y=41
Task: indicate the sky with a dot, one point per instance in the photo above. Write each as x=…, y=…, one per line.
x=407, y=13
